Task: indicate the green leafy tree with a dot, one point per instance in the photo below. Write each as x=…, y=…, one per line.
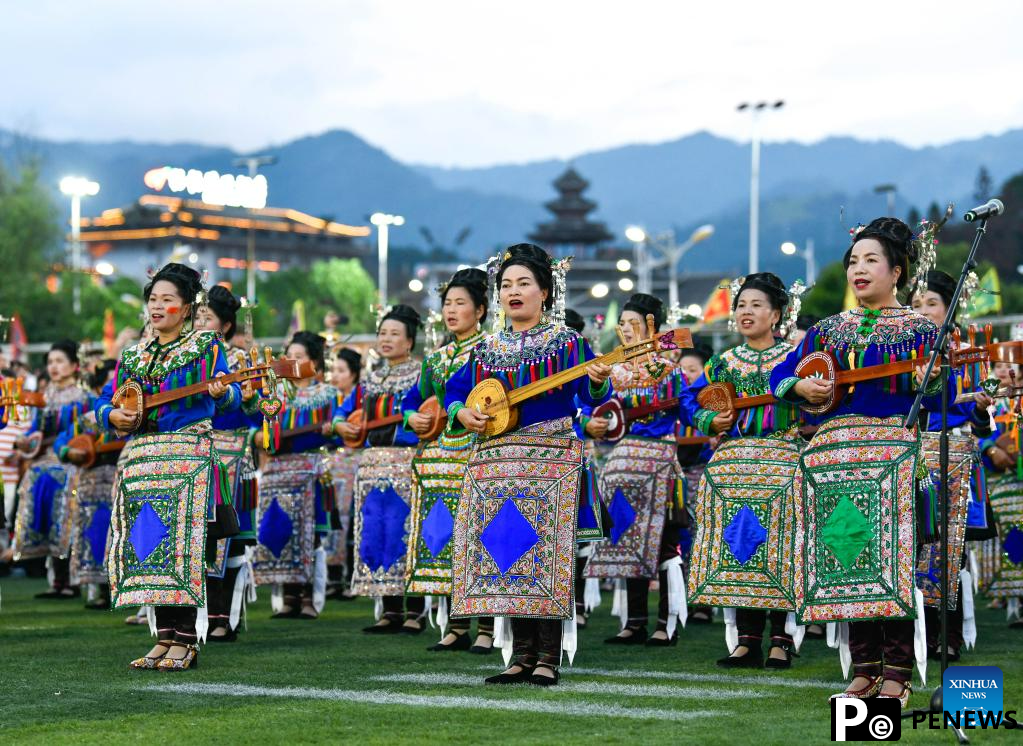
x=29, y=236
x=828, y=293
x=341, y=285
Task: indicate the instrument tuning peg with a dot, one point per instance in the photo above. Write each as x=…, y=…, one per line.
x=620, y=333
x=988, y=332
x=636, y=333
x=268, y=354
x=651, y=329
x=972, y=332
x=254, y=356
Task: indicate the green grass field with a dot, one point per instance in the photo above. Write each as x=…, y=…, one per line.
x=63, y=679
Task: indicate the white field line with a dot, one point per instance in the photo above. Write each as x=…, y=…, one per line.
x=584, y=687
x=767, y=679
x=416, y=700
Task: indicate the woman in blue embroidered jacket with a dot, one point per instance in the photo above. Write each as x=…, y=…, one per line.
x=972, y=419
x=93, y=486
x=758, y=308
x=640, y=531
x=295, y=497
x=878, y=331
x=439, y=466
x=142, y=541
x=232, y=433
x=43, y=524
x=379, y=568
x=533, y=348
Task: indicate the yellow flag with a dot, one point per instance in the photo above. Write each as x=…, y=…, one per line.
x=850, y=299
x=987, y=298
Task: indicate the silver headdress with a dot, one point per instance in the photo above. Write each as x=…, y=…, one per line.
x=560, y=268
x=926, y=241
x=733, y=292
x=796, y=292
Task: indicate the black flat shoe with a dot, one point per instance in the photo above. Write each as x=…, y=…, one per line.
x=386, y=627
x=288, y=612
x=699, y=617
x=662, y=642
x=461, y=642
x=638, y=637
x=59, y=595
x=510, y=678
x=538, y=680
x=753, y=659
x=483, y=649
x=407, y=630
x=779, y=664
x=230, y=636
x=814, y=632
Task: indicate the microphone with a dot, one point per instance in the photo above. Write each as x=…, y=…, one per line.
x=989, y=210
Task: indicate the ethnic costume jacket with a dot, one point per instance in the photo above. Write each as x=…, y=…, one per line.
x=655, y=381
x=859, y=338
x=749, y=371
x=519, y=358
x=62, y=413
x=304, y=406
x=193, y=357
x=437, y=368
x=236, y=418
x=381, y=393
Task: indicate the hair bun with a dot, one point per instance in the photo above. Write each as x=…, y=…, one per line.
x=644, y=304
x=403, y=313
x=218, y=295
x=769, y=284
x=898, y=235
x=469, y=276
x=528, y=251
x=574, y=320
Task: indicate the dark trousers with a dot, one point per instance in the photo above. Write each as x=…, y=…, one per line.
x=932, y=616
x=882, y=648
x=638, y=589
x=751, y=624
x=460, y=626
x=402, y=608
x=176, y=623
x=537, y=642
x=580, y=585
x=220, y=591
x=61, y=572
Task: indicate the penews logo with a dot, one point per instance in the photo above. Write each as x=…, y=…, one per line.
x=865, y=719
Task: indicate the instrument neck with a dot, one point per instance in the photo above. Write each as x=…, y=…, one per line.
x=871, y=372
x=516, y=396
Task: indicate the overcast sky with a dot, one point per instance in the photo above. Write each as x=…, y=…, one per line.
x=471, y=82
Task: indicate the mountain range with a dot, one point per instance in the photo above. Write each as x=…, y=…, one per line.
x=808, y=191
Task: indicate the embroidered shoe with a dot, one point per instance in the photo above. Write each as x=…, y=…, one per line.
x=190, y=660
x=902, y=696
x=146, y=663
x=868, y=691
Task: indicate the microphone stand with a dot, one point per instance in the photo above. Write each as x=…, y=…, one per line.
x=944, y=334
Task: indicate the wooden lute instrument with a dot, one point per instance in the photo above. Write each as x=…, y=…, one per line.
x=618, y=416
x=491, y=398
x=431, y=407
x=88, y=444
x=721, y=397
x=130, y=395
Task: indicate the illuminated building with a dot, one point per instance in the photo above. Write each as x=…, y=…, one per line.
x=159, y=228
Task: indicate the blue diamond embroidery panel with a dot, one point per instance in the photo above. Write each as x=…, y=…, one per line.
x=745, y=534
x=96, y=533
x=508, y=536
x=383, y=528
x=147, y=532
x=622, y=514
x=1013, y=545
x=275, y=528
x=437, y=527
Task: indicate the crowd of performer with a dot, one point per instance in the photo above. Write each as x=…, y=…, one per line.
x=511, y=472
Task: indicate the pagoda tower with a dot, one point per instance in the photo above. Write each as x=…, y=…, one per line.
x=570, y=226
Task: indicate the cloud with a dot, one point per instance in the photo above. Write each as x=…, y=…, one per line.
x=454, y=81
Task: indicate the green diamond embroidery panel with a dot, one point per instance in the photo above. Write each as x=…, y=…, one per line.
x=846, y=532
